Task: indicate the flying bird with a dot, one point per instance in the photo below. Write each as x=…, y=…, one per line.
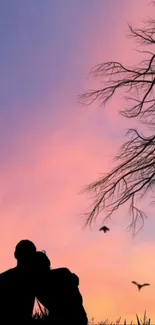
x=104, y=228
x=140, y=285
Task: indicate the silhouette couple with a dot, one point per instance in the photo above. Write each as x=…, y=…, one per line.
x=33, y=277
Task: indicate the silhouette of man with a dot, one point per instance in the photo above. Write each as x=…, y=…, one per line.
x=57, y=290
x=16, y=286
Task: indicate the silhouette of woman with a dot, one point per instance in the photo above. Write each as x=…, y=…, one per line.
x=57, y=289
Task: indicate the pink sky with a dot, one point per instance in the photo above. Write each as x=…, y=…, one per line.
x=40, y=183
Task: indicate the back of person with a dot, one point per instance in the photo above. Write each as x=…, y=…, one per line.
x=16, y=296
x=17, y=292
x=71, y=299
x=60, y=294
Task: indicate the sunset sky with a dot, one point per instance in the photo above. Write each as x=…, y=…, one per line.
x=51, y=146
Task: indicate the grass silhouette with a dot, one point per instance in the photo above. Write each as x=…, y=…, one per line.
x=41, y=317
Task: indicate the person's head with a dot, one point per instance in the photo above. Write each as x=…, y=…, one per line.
x=42, y=262
x=25, y=252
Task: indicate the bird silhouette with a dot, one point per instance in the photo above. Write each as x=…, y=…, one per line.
x=139, y=286
x=104, y=228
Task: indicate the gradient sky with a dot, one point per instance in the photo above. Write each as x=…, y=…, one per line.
x=51, y=147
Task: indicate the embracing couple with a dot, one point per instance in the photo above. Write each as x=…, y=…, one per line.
x=33, y=277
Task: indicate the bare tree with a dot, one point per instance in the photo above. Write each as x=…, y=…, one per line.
x=134, y=174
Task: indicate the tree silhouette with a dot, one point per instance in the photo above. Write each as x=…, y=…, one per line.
x=134, y=174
